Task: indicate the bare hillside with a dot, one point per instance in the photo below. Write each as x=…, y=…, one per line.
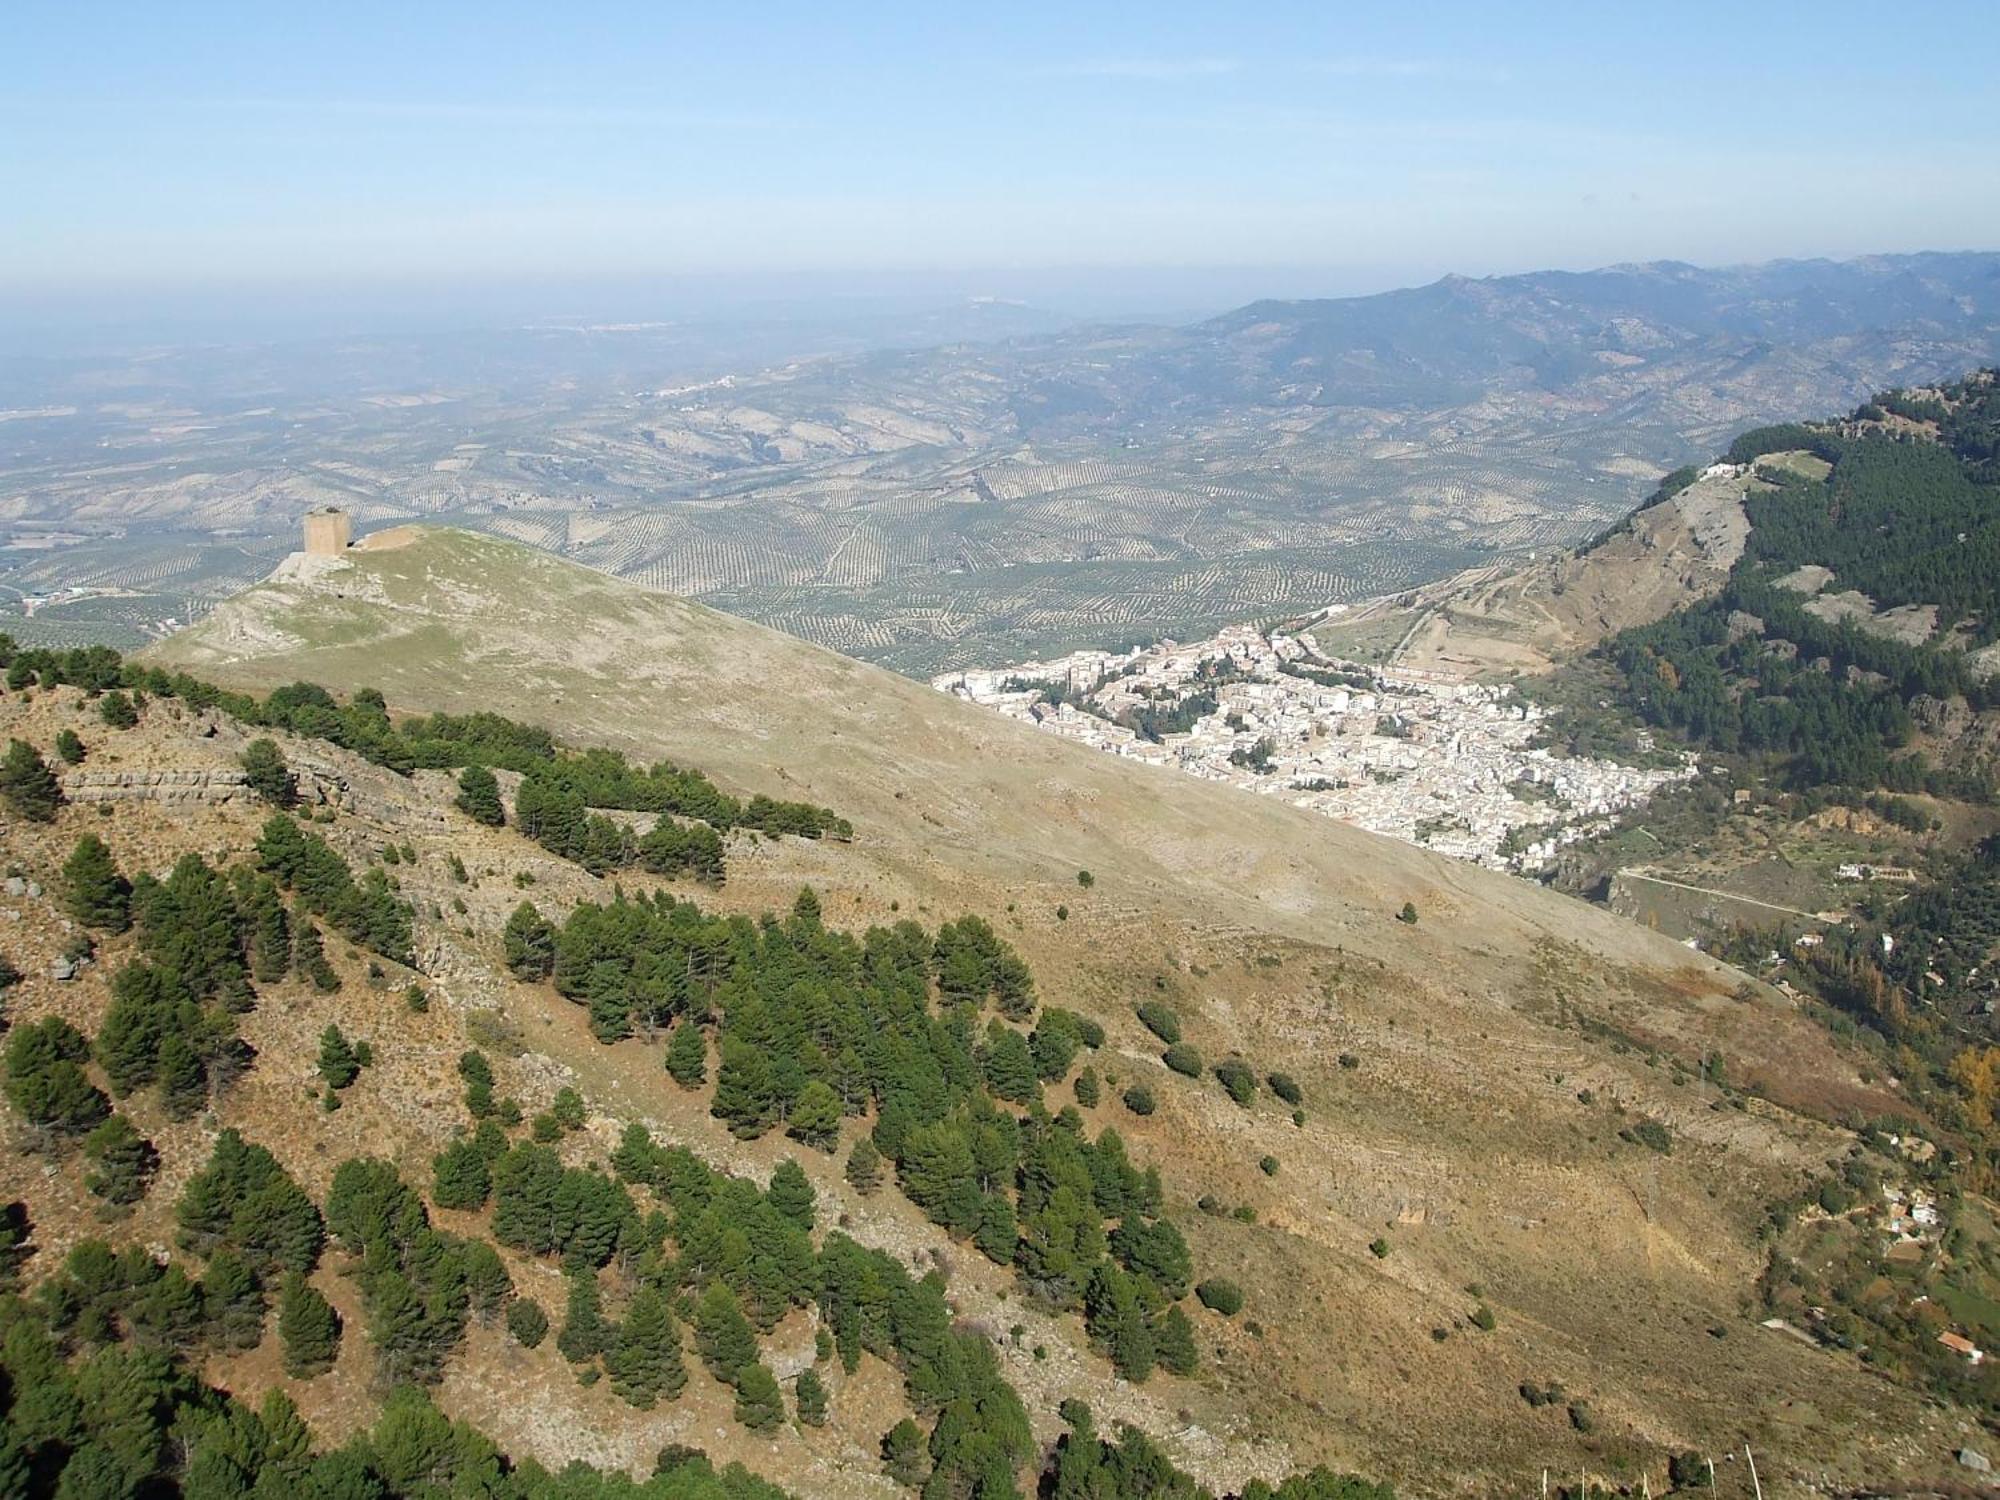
x=1471, y=1077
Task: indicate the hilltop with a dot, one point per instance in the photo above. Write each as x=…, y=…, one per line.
x=1475, y=1074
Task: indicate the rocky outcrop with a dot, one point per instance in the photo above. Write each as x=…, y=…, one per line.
x=171, y=787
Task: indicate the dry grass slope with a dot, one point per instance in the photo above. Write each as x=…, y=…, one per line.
x=1478, y=1134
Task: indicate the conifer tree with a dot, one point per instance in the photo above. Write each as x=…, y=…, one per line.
x=815, y=1116
x=309, y=955
x=1116, y=1320
x=270, y=932
x=1173, y=1340
x=526, y=1321
x=568, y=1109
x=810, y=1396
x=268, y=776
x=791, y=1194
x=1088, y=1091
x=583, y=1335
x=903, y=1453
x=743, y=1093
x=645, y=1355
x=169, y=1310
x=722, y=1335
x=308, y=1327
x=117, y=710
x=530, y=944
x=143, y=1005
x=232, y=1302
x=337, y=1063
x=183, y=1078
x=487, y=1283
x=479, y=797
x=70, y=748
x=27, y=785
x=462, y=1179
x=760, y=1405
x=122, y=1161
x=864, y=1166
x=687, y=1055
x=46, y=1081
x=95, y=894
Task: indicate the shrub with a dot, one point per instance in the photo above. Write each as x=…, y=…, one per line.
x=1268, y=1166
x=1286, y=1088
x=1379, y=1248
x=1220, y=1295
x=1139, y=1099
x=1159, y=1018
x=1408, y=915
x=1237, y=1081
x=1183, y=1059
x=1652, y=1135
x=1483, y=1319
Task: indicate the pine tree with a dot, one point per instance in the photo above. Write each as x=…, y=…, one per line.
x=27, y=785
x=722, y=1335
x=398, y=1327
x=903, y=1454
x=143, y=1004
x=122, y=1161
x=270, y=936
x=169, y=1311
x=583, y=1335
x=268, y=776
x=864, y=1167
x=567, y=1110
x=815, y=1116
x=487, y=1283
x=462, y=1179
x=337, y=1063
x=526, y=1321
x=530, y=944
x=1116, y=1320
x=116, y=709
x=308, y=1327
x=479, y=797
x=687, y=1055
x=70, y=748
x=1087, y=1089
x=810, y=1396
x=232, y=1302
x=791, y=1194
x=743, y=1093
x=182, y=1078
x=1009, y=1064
x=645, y=1355
x=95, y=894
x=1173, y=1340
x=760, y=1405
x=309, y=955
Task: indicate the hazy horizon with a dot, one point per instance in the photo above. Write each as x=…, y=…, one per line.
x=175, y=165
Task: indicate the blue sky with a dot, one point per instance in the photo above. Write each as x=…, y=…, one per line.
x=1359, y=145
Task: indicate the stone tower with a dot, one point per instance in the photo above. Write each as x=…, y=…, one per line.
x=328, y=531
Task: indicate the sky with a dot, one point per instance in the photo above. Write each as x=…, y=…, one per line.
x=1166, y=147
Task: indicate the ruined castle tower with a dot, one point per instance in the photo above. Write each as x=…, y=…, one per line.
x=328, y=531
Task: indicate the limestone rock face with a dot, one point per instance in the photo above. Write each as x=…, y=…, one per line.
x=169, y=786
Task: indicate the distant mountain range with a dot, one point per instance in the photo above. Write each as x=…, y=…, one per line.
x=1008, y=492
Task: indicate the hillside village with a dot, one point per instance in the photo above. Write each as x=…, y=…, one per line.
x=1422, y=756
